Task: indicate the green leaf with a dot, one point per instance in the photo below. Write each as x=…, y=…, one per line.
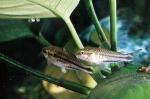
x=100, y=32
x=130, y=68
x=113, y=29
x=36, y=8
x=13, y=29
x=125, y=86
x=40, y=9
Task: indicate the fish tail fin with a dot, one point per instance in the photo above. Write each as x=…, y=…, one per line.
x=135, y=52
x=131, y=55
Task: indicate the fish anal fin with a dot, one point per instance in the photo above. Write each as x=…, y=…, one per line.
x=63, y=70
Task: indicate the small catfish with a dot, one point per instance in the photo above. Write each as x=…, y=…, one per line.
x=93, y=55
x=64, y=59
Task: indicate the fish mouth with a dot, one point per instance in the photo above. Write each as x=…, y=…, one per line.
x=82, y=58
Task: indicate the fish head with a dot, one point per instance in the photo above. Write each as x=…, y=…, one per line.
x=48, y=51
x=85, y=55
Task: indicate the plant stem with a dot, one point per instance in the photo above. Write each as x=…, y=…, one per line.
x=92, y=13
x=63, y=83
x=73, y=33
x=97, y=75
x=113, y=31
x=42, y=40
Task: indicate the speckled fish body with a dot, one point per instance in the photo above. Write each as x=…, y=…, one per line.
x=63, y=59
x=99, y=55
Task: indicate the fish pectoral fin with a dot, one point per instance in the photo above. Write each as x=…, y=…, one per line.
x=63, y=70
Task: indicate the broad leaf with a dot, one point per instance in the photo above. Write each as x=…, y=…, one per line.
x=13, y=29
x=36, y=8
x=123, y=86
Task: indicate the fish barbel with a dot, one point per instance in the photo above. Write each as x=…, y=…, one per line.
x=99, y=55
x=63, y=59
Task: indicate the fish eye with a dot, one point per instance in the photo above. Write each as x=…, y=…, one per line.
x=82, y=52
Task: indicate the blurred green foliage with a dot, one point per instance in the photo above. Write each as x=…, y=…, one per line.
x=124, y=84
x=13, y=29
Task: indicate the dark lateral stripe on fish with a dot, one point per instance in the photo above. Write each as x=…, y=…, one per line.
x=88, y=70
x=61, y=55
x=117, y=59
x=106, y=52
x=70, y=67
x=117, y=56
x=72, y=62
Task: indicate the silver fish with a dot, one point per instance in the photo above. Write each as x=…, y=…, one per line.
x=99, y=55
x=63, y=59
